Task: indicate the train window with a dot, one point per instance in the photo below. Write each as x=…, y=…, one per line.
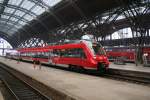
x=82, y=53
x=77, y=53
x=56, y=52
x=23, y=54
x=29, y=54
x=42, y=55
x=32, y=54
x=35, y=55
x=46, y=54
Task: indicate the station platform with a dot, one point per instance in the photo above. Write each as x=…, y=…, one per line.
x=81, y=86
x=1, y=96
x=131, y=67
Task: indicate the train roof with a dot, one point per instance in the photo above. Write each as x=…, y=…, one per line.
x=56, y=46
x=65, y=42
x=61, y=45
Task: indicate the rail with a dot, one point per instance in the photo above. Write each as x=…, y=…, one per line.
x=130, y=76
x=19, y=89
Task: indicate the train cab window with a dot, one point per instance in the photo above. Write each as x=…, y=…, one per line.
x=98, y=49
x=82, y=54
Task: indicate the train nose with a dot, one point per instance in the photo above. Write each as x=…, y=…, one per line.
x=101, y=58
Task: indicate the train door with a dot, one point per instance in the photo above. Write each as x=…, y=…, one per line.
x=71, y=56
x=67, y=56
x=55, y=56
x=50, y=56
x=83, y=58
x=78, y=57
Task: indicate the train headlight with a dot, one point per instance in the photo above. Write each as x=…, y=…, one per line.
x=94, y=57
x=100, y=58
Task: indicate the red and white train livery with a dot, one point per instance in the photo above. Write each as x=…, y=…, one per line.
x=78, y=54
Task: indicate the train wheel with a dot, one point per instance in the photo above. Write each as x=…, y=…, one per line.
x=38, y=62
x=71, y=67
x=76, y=68
x=101, y=68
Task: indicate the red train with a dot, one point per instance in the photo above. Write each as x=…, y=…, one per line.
x=146, y=50
x=127, y=52
x=78, y=54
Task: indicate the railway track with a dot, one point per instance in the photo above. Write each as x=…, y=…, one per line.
x=137, y=80
x=130, y=76
x=19, y=89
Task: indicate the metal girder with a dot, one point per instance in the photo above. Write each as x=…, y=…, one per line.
x=49, y=10
x=40, y=3
x=5, y=2
x=19, y=18
x=70, y=33
x=8, y=26
x=7, y=38
x=32, y=42
x=32, y=16
x=15, y=26
x=3, y=19
x=126, y=41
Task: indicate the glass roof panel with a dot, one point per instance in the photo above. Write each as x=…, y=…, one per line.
x=4, y=16
x=38, y=10
x=27, y=4
x=9, y=23
x=2, y=21
x=10, y=32
x=19, y=13
x=6, y=27
x=3, y=30
x=21, y=22
x=14, y=2
x=10, y=20
x=51, y=2
x=1, y=1
x=18, y=26
x=28, y=17
x=13, y=29
x=13, y=19
x=9, y=10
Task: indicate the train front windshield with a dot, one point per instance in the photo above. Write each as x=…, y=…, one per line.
x=98, y=49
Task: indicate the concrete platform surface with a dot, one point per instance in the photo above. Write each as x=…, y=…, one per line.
x=130, y=66
x=1, y=96
x=83, y=87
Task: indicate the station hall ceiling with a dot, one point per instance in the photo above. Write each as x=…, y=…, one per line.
x=22, y=19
